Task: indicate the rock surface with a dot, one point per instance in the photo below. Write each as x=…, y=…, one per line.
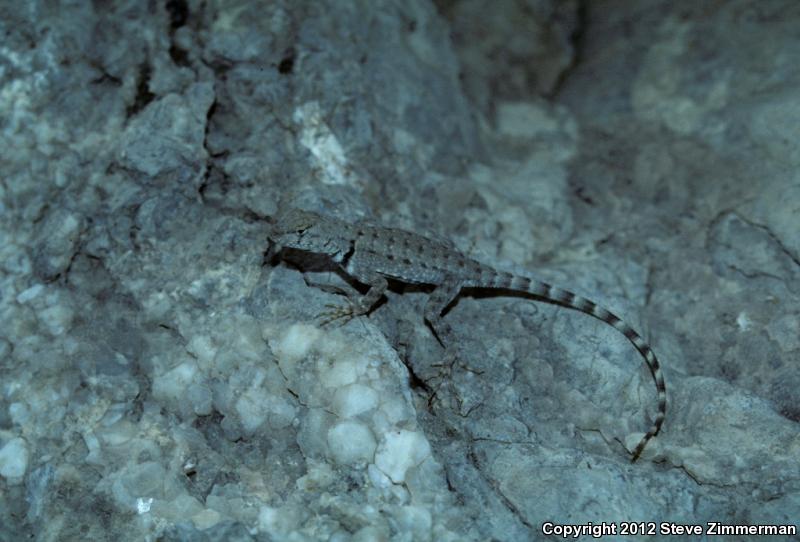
x=159, y=380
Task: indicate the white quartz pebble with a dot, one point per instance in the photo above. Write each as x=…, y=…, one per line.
x=354, y=399
x=400, y=451
x=14, y=458
x=350, y=441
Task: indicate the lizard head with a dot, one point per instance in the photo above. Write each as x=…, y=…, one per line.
x=307, y=231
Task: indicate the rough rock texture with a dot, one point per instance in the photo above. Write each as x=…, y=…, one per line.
x=159, y=380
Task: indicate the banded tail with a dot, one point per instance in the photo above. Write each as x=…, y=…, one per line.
x=507, y=281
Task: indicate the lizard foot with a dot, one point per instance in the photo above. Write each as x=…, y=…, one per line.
x=445, y=369
x=451, y=359
x=446, y=365
x=340, y=313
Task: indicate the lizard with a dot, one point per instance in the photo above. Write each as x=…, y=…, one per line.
x=371, y=254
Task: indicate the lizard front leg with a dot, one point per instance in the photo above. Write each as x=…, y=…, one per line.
x=357, y=305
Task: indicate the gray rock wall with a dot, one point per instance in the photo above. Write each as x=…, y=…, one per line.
x=160, y=380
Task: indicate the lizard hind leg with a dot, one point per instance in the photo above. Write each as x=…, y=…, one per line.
x=440, y=299
x=438, y=302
